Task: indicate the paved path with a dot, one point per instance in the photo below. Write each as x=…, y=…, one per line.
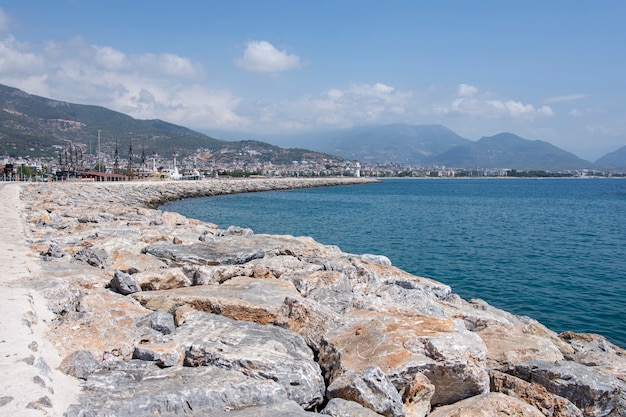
x=29, y=383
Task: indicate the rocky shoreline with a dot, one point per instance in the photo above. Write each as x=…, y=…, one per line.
x=157, y=314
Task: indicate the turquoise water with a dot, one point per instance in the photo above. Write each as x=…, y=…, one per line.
x=551, y=249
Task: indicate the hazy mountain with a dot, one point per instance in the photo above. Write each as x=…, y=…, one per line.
x=507, y=150
x=616, y=159
x=429, y=145
x=398, y=143
x=32, y=126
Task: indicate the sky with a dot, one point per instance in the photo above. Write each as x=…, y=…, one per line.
x=547, y=70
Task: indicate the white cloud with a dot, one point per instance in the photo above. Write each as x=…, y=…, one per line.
x=470, y=103
x=591, y=110
x=164, y=86
x=466, y=90
x=357, y=104
x=546, y=111
x=567, y=98
x=262, y=56
x=109, y=58
x=17, y=59
x=169, y=65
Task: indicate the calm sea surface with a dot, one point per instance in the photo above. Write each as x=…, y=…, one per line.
x=551, y=249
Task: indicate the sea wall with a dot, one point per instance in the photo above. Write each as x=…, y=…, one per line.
x=158, y=314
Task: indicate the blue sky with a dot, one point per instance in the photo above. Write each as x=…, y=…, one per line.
x=549, y=70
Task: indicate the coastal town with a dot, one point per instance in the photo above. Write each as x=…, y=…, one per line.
x=72, y=163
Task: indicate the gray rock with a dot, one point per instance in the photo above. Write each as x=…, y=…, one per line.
x=135, y=388
x=94, y=257
x=549, y=404
x=278, y=409
x=595, y=393
x=124, y=283
x=40, y=404
x=80, y=364
x=262, y=351
x=338, y=407
x=417, y=396
x=595, y=350
x=240, y=298
x=163, y=354
x=488, y=405
x=236, y=231
x=203, y=254
x=371, y=388
x=377, y=259
x=53, y=252
x=160, y=321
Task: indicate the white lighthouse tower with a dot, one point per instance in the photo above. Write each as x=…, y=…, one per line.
x=357, y=169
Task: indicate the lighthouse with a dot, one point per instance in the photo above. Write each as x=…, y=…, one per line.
x=357, y=169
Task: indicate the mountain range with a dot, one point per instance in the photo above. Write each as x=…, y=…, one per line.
x=37, y=126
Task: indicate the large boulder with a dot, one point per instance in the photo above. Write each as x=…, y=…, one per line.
x=536, y=395
x=124, y=283
x=139, y=388
x=403, y=346
x=595, y=350
x=203, y=253
x=338, y=407
x=240, y=298
x=262, y=351
x=594, y=392
x=488, y=405
x=371, y=388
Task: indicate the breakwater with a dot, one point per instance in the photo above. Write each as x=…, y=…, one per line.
x=158, y=314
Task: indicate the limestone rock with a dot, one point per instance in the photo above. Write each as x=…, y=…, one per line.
x=417, y=396
x=160, y=321
x=403, y=346
x=52, y=251
x=241, y=298
x=124, y=283
x=210, y=275
x=371, y=388
x=507, y=346
x=595, y=393
x=132, y=263
x=106, y=323
x=163, y=354
x=168, y=217
x=162, y=280
x=595, y=350
x=550, y=405
x=203, y=254
x=266, y=352
x=277, y=409
x=138, y=388
x=488, y=405
x=80, y=364
x=236, y=231
x=338, y=407
x=94, y=257
x=379, y=259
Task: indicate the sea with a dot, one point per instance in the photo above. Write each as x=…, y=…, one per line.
x=553, y=249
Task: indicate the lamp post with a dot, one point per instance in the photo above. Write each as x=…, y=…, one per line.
x=98, y=156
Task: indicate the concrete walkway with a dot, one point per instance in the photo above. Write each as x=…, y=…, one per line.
x=30, y=385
